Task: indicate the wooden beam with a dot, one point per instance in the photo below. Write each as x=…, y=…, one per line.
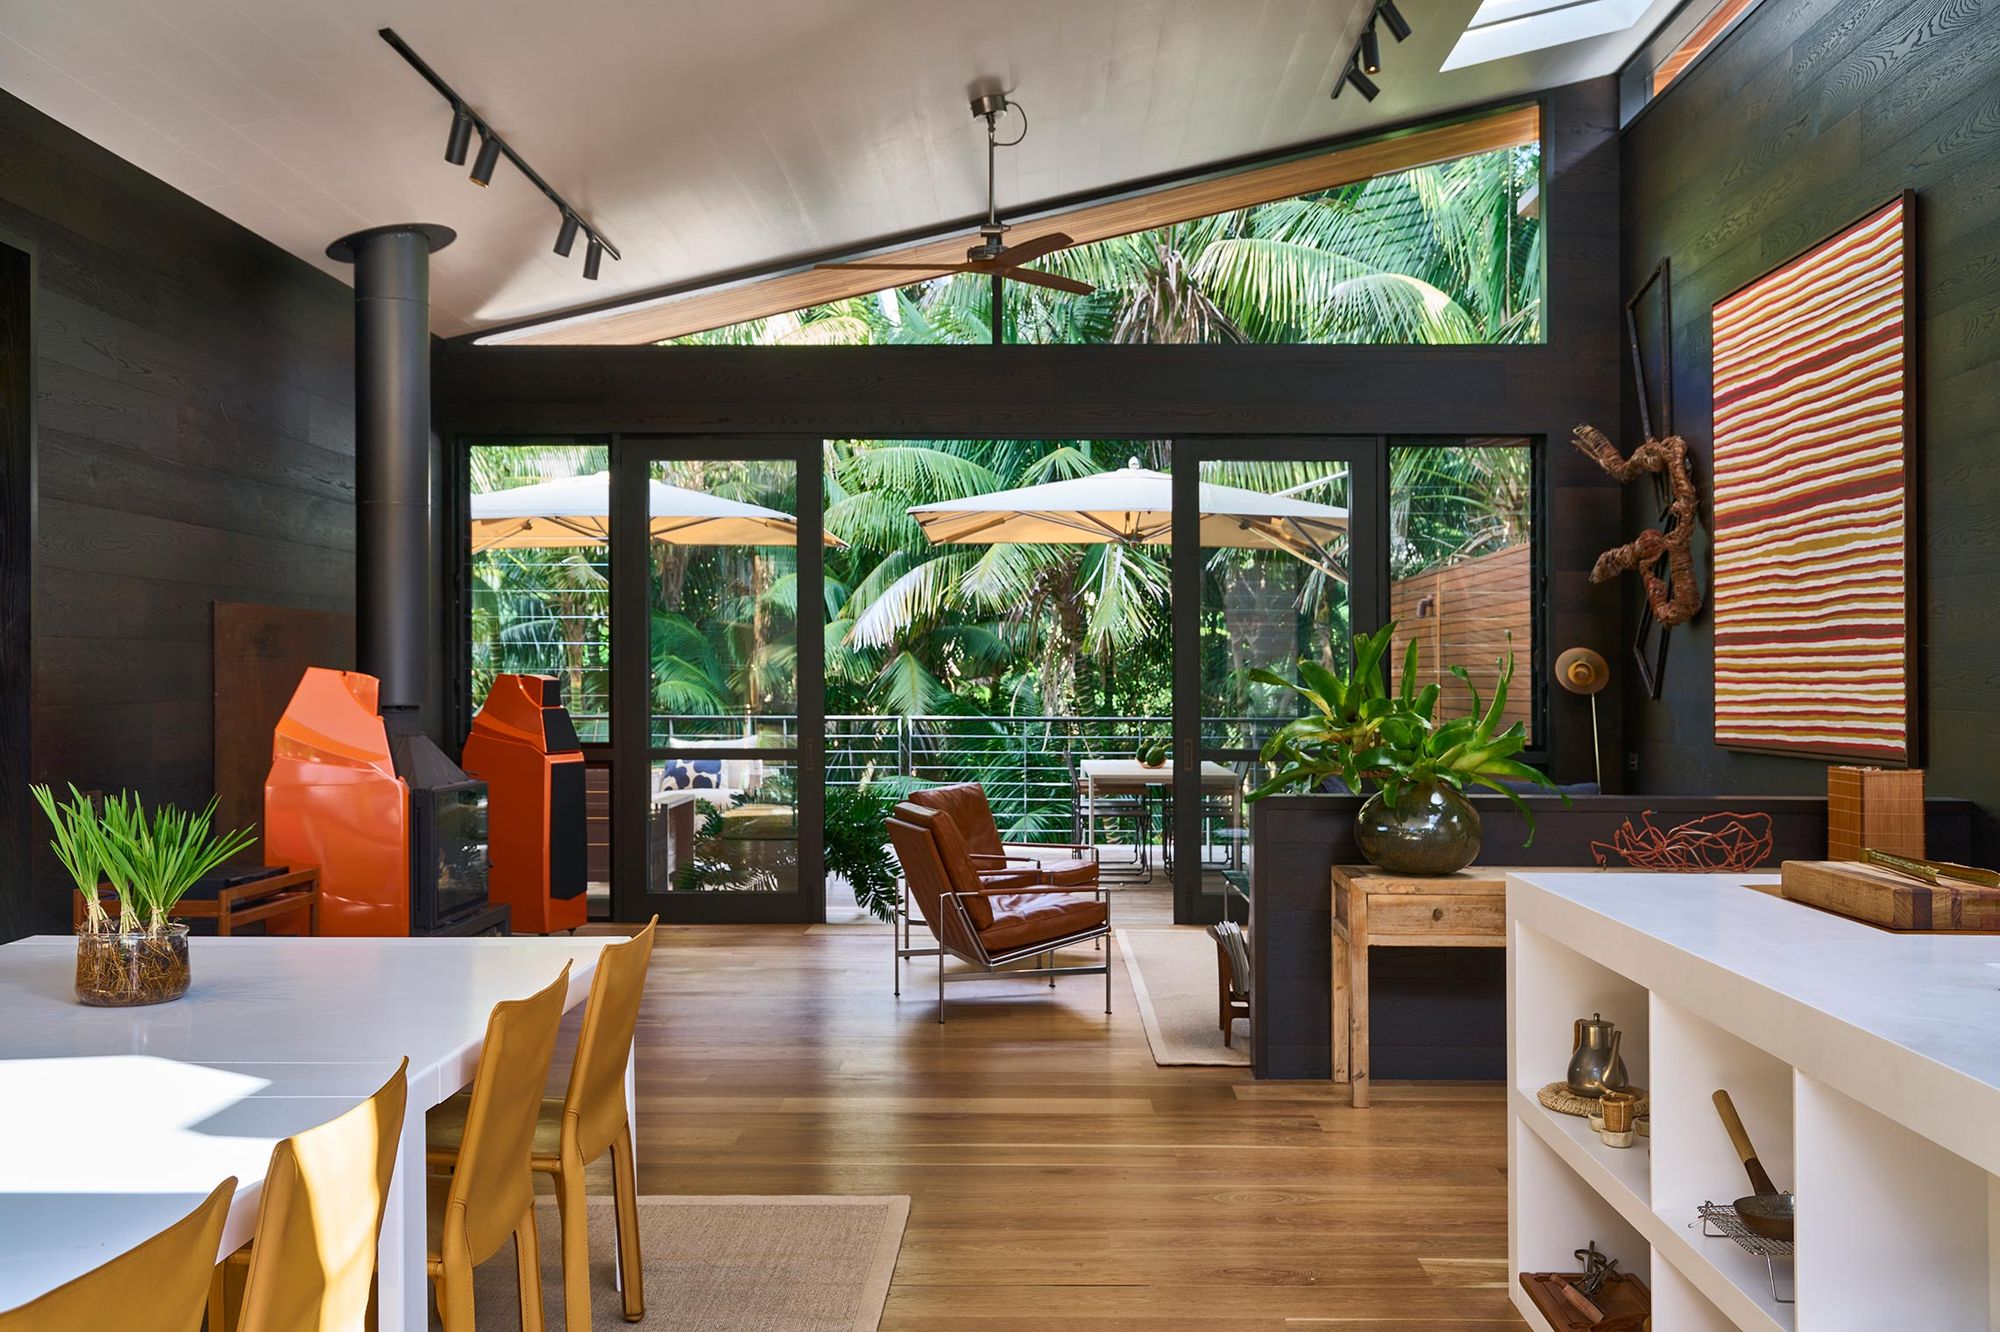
x=797, y=289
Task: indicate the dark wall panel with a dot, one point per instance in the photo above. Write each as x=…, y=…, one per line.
x=959, y=392
x=194, y=443
x=1808, y=115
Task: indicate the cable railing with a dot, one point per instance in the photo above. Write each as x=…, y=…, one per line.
x=1029, y=765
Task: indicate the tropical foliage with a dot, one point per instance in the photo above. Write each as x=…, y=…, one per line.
x=1357, y=731
x=967, y=633
x=1433, y=255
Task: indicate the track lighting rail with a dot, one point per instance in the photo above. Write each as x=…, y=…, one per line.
x=492, y=147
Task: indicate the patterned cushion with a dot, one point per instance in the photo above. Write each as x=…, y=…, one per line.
x=690, y=774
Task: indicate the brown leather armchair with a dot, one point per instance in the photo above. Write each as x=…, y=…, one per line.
x=991, y=927
x=1001, y=864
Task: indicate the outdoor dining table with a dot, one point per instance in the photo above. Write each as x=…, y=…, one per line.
x=117, y=1121
x=1100, y=777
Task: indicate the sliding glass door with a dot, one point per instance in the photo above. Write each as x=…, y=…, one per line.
x=716, y=689
x=1284, y=561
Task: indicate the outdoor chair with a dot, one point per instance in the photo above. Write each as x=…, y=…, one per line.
x=991, y=928
x=1002, y=863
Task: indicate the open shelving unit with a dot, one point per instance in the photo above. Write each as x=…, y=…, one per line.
x=1818, y=1029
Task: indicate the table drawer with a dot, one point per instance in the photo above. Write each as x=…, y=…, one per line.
x=1437, y=913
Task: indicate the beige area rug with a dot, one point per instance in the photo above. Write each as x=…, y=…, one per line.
x=723, y=1264
x=1173, y=971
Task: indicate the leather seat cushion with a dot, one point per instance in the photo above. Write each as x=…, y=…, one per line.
x=1025, y=919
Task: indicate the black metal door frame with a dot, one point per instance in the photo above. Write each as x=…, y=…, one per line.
x=632, y=898
x=22, y=911
x=1367, y=460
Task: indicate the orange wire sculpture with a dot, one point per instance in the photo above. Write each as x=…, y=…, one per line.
x=1713, y=843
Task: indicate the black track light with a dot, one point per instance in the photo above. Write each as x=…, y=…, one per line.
x=566, y=238
x=489, y=158
x=1362, y=83
x=1398, y=27
x=593, y=258
x=460, y=141
x=1371, y=50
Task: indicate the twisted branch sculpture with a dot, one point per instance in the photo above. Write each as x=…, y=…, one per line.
x=1667, y=457
x=1724, y=842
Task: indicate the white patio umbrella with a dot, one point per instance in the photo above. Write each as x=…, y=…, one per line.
x=1135, y=506
x=576, y=511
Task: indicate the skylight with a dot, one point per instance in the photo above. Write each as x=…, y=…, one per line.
x=1503, y=28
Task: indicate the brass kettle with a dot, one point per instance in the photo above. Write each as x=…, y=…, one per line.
x=1594, y=1065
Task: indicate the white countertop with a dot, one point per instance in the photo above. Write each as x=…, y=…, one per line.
x=1908, y=1024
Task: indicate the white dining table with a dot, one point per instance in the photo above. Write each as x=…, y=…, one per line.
x=115, y=1122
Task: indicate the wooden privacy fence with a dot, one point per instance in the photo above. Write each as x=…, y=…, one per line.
x=1461, y=615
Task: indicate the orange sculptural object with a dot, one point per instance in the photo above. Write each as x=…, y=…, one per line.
x=525, y=749
x=333, y=799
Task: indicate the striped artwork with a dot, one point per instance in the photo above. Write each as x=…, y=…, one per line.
x=1811, y=595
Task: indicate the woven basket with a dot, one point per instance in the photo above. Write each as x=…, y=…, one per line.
x=1558, y=1097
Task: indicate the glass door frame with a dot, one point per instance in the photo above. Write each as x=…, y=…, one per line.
x=632, y=899
x=1367, y=461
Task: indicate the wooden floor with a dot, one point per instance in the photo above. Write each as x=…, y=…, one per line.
x=1059, y=1178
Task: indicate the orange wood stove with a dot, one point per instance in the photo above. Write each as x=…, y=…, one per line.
x=333, y=799
x=524, y=747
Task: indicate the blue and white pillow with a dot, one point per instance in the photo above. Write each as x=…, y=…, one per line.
x=691, y=774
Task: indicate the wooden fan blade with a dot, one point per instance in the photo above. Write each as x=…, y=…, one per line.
x=1030, y=250
x=1036, y=277
x=906, y=268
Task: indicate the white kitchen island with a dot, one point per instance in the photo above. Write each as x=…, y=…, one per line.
x=117, y=1121
x=1866, y=1067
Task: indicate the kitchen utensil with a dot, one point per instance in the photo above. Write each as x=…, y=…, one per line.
x=1933, y=871
x=1619, y=1109
x=1594, y=1065
x=1766, y=1211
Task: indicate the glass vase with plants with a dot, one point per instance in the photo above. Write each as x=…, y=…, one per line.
x=139, y=955
x=1417, y=819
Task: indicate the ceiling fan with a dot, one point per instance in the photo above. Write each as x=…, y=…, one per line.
x=993, y=256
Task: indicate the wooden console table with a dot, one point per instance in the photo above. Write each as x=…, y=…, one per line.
x=1373, y=908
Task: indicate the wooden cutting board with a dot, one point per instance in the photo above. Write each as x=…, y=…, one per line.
x=1889, y=900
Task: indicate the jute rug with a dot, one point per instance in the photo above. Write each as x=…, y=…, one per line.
x=1173, y=971
x=723, y=1264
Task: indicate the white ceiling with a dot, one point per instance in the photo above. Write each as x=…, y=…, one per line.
x=705, y=136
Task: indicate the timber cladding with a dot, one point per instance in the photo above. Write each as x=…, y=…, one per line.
x=1470, y=613
x=1805, y=117
x=193, y=396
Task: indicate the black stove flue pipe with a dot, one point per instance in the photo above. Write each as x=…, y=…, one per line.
x=392, y=432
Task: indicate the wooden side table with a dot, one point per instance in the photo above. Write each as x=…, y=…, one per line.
x=1373, y=908
x=293, y=893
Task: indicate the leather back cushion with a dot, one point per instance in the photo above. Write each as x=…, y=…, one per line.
x=916, y=851
x=953, y=858
x=966, y=803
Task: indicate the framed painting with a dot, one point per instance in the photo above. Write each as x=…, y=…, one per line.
x=1649, y=338
x=1813, y=588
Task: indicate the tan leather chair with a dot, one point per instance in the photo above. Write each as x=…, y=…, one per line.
x=591, y=1119
x=1003, y=864
x=159, y=1286
x=491, y=1194
x=312, y=1264
x=992, y=928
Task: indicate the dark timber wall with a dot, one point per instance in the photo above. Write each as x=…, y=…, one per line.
x=1809, y=114
x=194, y=442
x=1028, y=392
